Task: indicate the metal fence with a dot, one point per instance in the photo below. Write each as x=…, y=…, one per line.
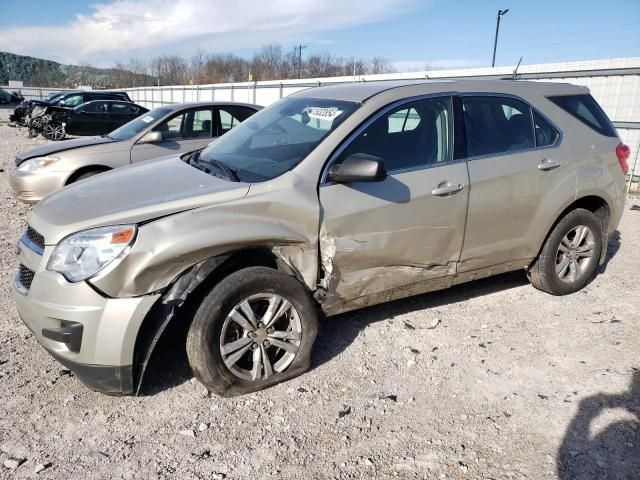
x=614, y=82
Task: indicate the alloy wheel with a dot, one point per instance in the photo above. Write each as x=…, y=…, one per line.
x=54, y=131
x=260, y=336
x=575, y=254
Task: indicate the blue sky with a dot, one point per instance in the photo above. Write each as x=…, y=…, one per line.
x=412, y=33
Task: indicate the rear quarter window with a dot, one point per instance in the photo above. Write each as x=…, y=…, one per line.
x=586, y=109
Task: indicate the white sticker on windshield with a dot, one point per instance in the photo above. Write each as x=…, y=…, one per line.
x=324, y=113
x=148, y=119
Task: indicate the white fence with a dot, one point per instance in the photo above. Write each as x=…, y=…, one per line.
x=615, y=83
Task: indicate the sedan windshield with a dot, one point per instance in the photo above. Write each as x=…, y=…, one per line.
x=274, y=140
x=135, y=126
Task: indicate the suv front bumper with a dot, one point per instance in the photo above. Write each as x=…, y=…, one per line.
x=90, y=334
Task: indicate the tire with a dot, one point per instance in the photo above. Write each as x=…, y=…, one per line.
x=570, y=256
x=219, y=323
x=54, y=131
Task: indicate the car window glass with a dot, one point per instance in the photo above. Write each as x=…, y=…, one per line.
x=73, y=101
x=586, y=109
x=497, y=125
x=231, y=116
x=171, y=129
x=410, y=136
x=545, y=133
x=403, y=120
x=120, y=108
x=96, y=107
x=201, y=124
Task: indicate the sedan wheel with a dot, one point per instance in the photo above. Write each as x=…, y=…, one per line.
x=54, y=131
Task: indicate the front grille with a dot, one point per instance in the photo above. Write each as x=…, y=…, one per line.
x=35, y=238
x=25, y=277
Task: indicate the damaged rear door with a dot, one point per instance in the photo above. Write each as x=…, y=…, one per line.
x=402, y=235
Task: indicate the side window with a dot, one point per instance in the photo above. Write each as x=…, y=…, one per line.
x=231, y=116
x=497, y=125
x=545, y=134
x=171, y=129
x=404, y=120
x=200, y=123
x=413, y=135
x=96, y=107
x=73, y=101
x=586, y=109
x=120, y=108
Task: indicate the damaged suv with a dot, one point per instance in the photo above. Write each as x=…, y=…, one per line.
x=329, y=200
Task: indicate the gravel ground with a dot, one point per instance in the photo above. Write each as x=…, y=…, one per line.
x=488, y=380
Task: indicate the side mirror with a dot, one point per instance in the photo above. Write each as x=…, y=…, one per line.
x=151, y=137
x=358, y=167
x=61, y=103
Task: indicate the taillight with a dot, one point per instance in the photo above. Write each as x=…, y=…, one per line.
x=622, y=152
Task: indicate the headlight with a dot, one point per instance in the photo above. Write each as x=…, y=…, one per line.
x=37, y=163
x=83, y=254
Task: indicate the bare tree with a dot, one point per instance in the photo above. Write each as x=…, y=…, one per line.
x=169, y=70
x=381, y=65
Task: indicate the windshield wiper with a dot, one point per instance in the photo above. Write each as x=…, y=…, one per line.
x=228, y=172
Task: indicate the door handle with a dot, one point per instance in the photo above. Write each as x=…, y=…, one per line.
x=548, y=164
x=446, y=189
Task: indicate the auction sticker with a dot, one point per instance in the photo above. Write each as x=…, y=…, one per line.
x=324, y=113
x=148, y=119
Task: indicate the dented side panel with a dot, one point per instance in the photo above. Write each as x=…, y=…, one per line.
x=282, y=216
x=384, y=236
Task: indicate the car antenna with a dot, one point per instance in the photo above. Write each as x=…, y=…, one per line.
x=515, y=72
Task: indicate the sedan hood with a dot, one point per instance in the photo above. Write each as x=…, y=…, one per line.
x=133, y=194
x=55, y=147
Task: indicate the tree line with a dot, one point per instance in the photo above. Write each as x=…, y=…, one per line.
x=271, y=62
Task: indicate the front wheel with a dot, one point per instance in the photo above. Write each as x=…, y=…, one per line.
x=569, y=258
x=54, y=131
x=255, y=329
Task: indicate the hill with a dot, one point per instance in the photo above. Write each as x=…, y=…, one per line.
x=38, y=72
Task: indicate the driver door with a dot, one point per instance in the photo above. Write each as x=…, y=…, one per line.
x=402, y=235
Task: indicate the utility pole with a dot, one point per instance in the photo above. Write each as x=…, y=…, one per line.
x=495, y=41
x=300, y=47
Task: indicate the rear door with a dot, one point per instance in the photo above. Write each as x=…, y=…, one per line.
x=121, y=113
x=184, y=131
x=405, y=230
x=512, y=165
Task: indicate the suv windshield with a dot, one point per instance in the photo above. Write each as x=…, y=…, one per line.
x=274, y=140
x=134, y=127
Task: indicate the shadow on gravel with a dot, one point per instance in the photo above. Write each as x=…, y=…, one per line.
x=612, y=249
x=612, y=453
x=337, y=333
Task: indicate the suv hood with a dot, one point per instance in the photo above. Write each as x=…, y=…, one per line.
x=132, y=194
x=54, y=147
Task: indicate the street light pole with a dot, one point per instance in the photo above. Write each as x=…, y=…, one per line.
x=495, y=41
x=300, y=47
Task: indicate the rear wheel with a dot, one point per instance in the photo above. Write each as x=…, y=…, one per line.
x=569, y=258
x=255, y=329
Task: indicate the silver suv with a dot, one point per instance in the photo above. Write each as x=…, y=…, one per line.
x=329, y=200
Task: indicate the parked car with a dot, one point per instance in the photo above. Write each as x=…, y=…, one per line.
x=171, y=129
x=331, y=199
x=97, y=117
x=10, y=97
x=29, y=108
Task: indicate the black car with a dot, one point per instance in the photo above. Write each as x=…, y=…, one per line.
x=97, y=117
x=23, y=113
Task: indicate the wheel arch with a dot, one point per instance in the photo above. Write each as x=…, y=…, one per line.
x=86, y=169
x=177, y=306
